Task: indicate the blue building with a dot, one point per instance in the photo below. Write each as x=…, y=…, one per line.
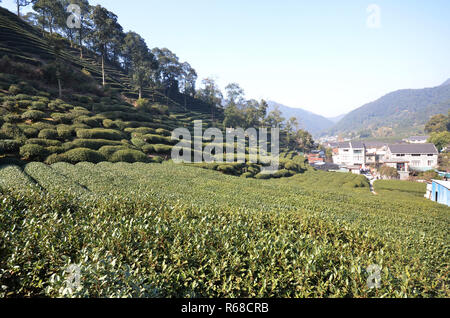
x=440, y=192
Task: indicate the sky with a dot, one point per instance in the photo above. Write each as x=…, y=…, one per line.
x=328, y=57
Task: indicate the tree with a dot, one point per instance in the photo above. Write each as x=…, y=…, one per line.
x=438, y=123
x=138, y=60
x=189, y=78
x=304, y=140
x=169, y=72
x=105, y=29
x=56, y=45
x=210, y=94
x=52, y=13
x=274, y=118
x=235, y=95
x=440, y=139
x=22, y=3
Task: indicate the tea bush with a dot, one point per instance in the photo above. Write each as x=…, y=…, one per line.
x=128, y=155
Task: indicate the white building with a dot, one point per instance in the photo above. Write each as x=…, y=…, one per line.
x=417, y=139
x=415, y=156
x=351, y=153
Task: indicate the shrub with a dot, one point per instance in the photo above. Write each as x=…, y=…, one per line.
x=139, y=143
x=11, y=131
x=148, y=149
x=33, y=152
x=263, y=176
x=33, y=115
x=93, y=144
x=129, y=156
x=156, y=139
x=43, y=142
x=99, y=133
x=163, y=132
x=86, y=120
x=14, y=89
x=12, y=118
x=31, y=132
x=227, y=169
x=43, y=125
x=48, y=134
x=82, y=154
x=142, y=104
x=54, y=158
x=9, y=146
x=108, y=151
x=162, y=149
x=247, y=175
x=65, y=132
x=38, y=106
x=283, y=174
x=62, y=118
x=56, y=149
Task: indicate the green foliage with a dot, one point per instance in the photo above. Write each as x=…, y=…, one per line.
x=162, y=149
x=33, y=115
x=99, y=133
x=9, y=146
x=48, y=134
x=128, y=155
x=43, y=142
x=389, y=172
x=33, y=152
x=440, y=139
x=396, y=187
x=82, y=154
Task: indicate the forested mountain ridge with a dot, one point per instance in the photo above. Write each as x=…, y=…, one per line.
x=398, y=113
x=309, y=121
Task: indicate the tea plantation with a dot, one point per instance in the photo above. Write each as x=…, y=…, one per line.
x=166, y=230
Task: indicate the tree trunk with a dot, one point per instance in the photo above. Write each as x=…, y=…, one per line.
x=140, y=92
x=18, y=9
x=59, y=86
x=103, y=70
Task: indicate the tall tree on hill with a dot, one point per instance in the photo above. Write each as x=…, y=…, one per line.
x=235, y=95
x=188, y=80
x=210, y=94
x=105, y=27
x=169, y=71
x=138, y=60
x=83, y=16
x=51, y=11
x=22, y=3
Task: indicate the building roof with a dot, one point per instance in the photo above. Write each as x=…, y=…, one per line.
x=350, y=144
x=445, y=184
x=413, y=149
x=375, y=144
x=419, y=138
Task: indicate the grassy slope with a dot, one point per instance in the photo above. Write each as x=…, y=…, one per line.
x=183, y=231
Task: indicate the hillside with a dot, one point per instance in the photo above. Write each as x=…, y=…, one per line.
x=87, y=122
x=311, y=122
x=404, y=111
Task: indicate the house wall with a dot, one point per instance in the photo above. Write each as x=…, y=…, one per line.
x=420, y=162
x=350, y=156
x=442, y=193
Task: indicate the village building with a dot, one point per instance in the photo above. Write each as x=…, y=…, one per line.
x=417, y=139
x=351, y=154
x=439, y=191
x=405, y=157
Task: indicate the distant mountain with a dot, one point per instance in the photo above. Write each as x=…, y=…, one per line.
x=337, y=118
x=309, y=121
x=447, y=82
x=398, y=113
